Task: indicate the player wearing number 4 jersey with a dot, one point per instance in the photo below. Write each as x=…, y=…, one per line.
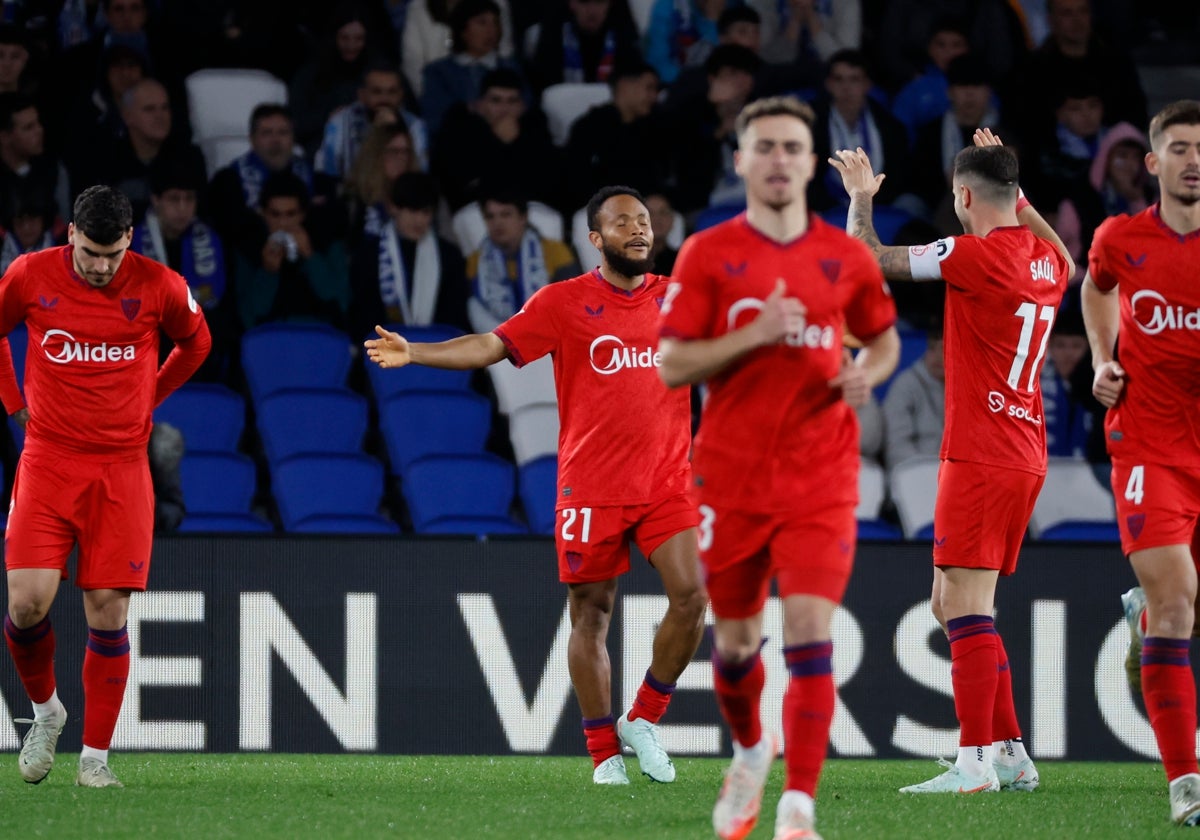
x=1143, y=284
x=1004, y=281
x=623, y=472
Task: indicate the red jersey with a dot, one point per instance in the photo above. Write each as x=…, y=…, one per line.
x=771, y=414
x=1002, y=294
x=92, y=362
x=1156, y=419
x=623, y=435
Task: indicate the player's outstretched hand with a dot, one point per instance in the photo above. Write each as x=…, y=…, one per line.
x=858, y=176
x=1108, y=383
x=852, y=380
x=390, y=350
x=984, y=137
x=779, y=317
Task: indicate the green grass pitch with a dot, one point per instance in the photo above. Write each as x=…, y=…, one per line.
x=269, y=796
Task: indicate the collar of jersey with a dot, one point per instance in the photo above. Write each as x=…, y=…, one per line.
x=632, y=293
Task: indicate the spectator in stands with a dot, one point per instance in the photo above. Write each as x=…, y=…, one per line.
x=387, y=153
x=914, y=409
x=847, y=118
x=681, y=32
x=24, y=164
x=1073, y=49
x=662, y=221
x=427, y=36
x=497, y=135
x=457, y=78
x=1061, y=161
x=380, y=100
x=513, y=261
x=16, y=72
x=808, y=31
x=926, y=97
x=737, y=25
x=624, y=141
x=1117, y=183
x=165, y=450
x=95, y=117
x=705, y=137
x=584, y=42
x=408, y=274
x=331, y=77
x=291, y=279
x=172, y=234
x=30, y=227
x=971, y=107
x=146, y=111
x=1068, y=407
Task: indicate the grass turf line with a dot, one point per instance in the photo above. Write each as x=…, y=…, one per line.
x=527, y=798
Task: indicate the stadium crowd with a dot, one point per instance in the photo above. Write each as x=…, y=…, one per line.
x=404, y=116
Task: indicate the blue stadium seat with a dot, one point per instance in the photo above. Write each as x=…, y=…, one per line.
x=322, y=486
x=480, y=526
x=278, y=356
x=878, y=529
x=218, y=488
x=346, y=524
x=211, y=417
x=419, y=423
x=888, y=220
x=1082, y=531
x=388, y=381
x=457, y=486
x=538, y=486
x=300, y=420
x=716, y=214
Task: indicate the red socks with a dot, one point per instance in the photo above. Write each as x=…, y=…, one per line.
x=652, y=699
x=602, y=743
x=32, y=650
x=105, y=671
x=807, y=713
x=739, y=687
x=974, y=675
x=1169, y=690
x=1004, y=713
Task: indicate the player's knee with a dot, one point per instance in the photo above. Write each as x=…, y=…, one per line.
x=26, y=612
x=688, y=604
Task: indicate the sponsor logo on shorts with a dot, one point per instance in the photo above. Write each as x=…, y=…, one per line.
x=1154, y=314
x=62, y=348
x=939, y=541
x=609, y=355
x=137, y=565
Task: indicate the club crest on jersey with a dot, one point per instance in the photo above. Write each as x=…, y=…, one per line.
x=47, y=303
x=62, y=348
x=658, y=301
x=1135, y=262
x=608, y=355
x=131, y=307
x=831, y=269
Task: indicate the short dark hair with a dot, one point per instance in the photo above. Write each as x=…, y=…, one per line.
x=630, y=67
x=12, y=104
x=501, y=77
x=103, y=214
x=462, y=14
x=967, y=69
x=733, y=56
x=737, y=14
x=284, y=184
x=992, y=169
x=10, y=33
x=1181, y=112
x=773, y=106
x=414, y=191
x=173, y=173
x=855, y=58
x=504, y=192
x=265, y=110
x=379, y=65
x=604, y=194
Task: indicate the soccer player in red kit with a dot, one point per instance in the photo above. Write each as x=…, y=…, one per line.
x=1004, y=281
x=93, y=311
x=757, y=307
x=623, y=472
x=1142, y=291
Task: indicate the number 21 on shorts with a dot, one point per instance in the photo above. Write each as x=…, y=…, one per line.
x=584, y=518
x=1135, y=488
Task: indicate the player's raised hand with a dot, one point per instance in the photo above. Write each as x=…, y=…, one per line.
x=852, y=380
x=779, y=316
x=858, y=176
x=1108, y=383
x=390, y=350
x=984, y=137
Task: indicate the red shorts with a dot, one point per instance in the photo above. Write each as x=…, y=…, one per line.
x=1157, y=504
x=593, y=542
x=981, y=514
x=107, y=506
x=808, y=552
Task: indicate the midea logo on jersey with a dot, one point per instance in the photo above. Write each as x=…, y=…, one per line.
x=80, y=351
x=812, y=336
x=997, y=403
x=609, y=355
x=1153, y=314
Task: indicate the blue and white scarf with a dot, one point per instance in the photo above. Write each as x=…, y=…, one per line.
x=12, y=248
x=344, y=135
x=501, y=294
x=409, y=300
x=573, y=69
x=202, y=261
x=253, y=171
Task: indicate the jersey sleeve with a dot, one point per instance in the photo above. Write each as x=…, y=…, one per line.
x=959, y=258
x=1099, y=265
x=533, y=331
x=687, y=310
x=12, y=300
x=871, y=309
x=181, y=315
